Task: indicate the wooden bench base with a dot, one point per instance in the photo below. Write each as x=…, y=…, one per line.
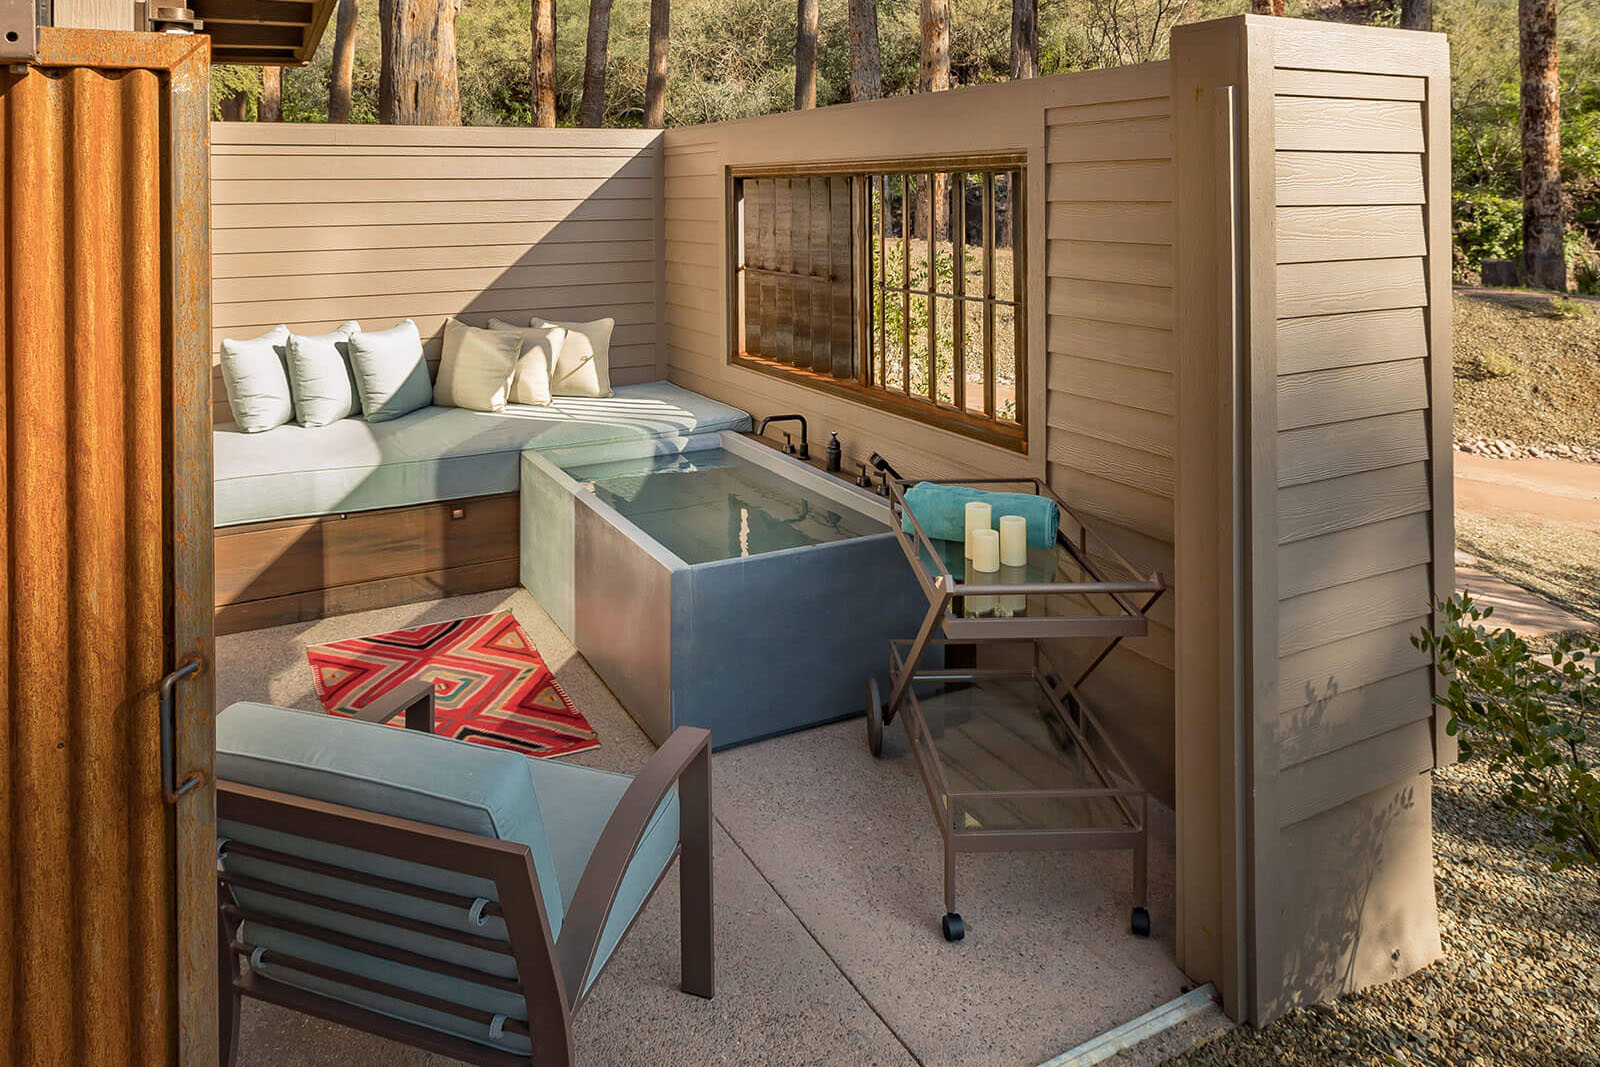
x=297, y=570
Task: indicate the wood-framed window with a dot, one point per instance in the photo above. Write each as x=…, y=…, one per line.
x=898, y=285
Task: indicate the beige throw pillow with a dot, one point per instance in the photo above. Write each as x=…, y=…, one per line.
x=475, y=367
x=531, y=382
x=583, y=360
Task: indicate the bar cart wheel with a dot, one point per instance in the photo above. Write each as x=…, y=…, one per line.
x=954, y=929
x=875, y=722
x=1141, y=922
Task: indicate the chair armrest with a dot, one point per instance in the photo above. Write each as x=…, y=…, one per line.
x=414, y=698
x=602, y=875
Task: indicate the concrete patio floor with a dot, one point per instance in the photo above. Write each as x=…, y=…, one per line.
x=828, y=895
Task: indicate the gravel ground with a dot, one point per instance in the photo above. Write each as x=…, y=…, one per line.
x=1527, y=371
x=1519, y=982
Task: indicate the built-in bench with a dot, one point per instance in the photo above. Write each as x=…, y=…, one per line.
x=358, y=515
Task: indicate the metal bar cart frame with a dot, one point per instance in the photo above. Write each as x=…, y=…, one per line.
x=1069, y=715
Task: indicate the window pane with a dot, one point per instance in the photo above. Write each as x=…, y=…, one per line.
x=918, y=351
x=945, y=340
x=1004, y=238
x=972, y=235
x=972, y=330
x=1005, y=363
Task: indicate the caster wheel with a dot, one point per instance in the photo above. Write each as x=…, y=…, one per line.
x=1141, y=922
x=874, y=719
x=952, y=926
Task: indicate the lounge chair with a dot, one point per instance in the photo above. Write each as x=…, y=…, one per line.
x=456, y=898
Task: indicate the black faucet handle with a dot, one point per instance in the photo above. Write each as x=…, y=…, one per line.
x=788, y=443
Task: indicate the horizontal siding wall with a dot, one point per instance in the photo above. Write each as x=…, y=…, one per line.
x=1099, y=251
x=316, y=224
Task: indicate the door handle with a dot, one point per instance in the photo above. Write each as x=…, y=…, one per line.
x=171, y=788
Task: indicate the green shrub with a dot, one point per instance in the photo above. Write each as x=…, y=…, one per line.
x=1493, y=363
x=1529, y=719
x=1487, y=227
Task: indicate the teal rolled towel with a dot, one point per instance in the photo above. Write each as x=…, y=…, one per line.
x=942, y=511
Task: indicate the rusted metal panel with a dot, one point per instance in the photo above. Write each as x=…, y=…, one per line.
x=103, y=308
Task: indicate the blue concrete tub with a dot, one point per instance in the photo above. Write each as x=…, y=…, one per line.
x=712, y=581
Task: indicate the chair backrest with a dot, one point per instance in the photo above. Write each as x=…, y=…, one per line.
x=390, y=874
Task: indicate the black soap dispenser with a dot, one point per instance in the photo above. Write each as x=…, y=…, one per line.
x=835, y=453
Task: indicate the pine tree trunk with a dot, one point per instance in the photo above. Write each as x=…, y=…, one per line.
x=805, y=55
x=1416, y=14
x=866, y=59
x=235, y=107
x=417, y=84
x=1266, y=7
x=344, y=63
x=542, y=89
x=592, y=109
x=1543, y=260
x=933, y=77
x=655, y=82
x=270, y=109
x=1024, y=39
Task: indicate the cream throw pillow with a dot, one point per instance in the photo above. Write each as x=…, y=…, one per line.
x=582, y=366
x=531, y=382
x=476, y=366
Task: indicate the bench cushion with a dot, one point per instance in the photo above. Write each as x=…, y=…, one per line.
x=435, y=453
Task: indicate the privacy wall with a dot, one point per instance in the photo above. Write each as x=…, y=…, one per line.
x=1099, y=231
x=316, y=224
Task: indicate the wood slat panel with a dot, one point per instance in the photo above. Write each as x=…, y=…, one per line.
x=413, y=305
x=307, y=217
x=1132, y=305
x=1130, y=223
x=1111, y=182
x=1132, y=387
x=1334, y=125
x=1338, y=777
x=1351, y=86
x=1317, y=398
x=1148, y=138
x=249, y=242
x=427, y=137
x=368, y=260
x=1136, y=346
x=1344, y=503
x=1121, y=505
x=1322, y=234
x=1133, y=467
x=1350, y=555
x=1353, y=715
x=1320, y=452
x=1306, y=678
x=1149, y=431
x=1340, y=178
x=1353, y=340
x=1341, y=611
x=1108, y=111
x=1106, y=261
x=409, y=191
x=331, y=170
x=463, y=280
x=1357, y=285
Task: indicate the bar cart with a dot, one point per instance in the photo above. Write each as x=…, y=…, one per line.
x=1012, y=755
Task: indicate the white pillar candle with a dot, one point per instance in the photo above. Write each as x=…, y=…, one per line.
x=1012, y=604
x=1013, y=541
x=977, y=519
x=985, y=551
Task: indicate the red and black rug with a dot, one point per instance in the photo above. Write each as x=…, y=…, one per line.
x=491, y=686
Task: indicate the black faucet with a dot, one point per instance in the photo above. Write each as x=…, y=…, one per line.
x=804, y=452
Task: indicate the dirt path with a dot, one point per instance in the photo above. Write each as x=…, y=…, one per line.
x=1553, y=490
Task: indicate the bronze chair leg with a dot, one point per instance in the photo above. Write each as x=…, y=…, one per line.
x=697, y=920
x=227, y=996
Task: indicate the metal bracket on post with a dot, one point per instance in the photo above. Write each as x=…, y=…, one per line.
x=19, y=28
x=165, y=16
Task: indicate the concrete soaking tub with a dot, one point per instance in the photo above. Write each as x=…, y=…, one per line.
x=712, y=581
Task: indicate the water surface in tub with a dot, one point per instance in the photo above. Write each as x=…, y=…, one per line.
x=712, y=504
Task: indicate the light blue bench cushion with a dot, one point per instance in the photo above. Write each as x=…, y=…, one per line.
x=435, y=453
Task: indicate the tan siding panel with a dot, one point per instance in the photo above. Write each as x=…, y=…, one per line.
x=1132, y=467
x=1320, y=234
x=1133, y=305
x=310, y=215
x=1149, y=180
x=1112, y=262
x=1352, y=340
x=1353, y=715
x=1131, y=387
x=1121, y=505
x=1358, y=285
x=406, y=191
x=1339, y=178
x=1338, y=777
x=1349, y=86
x=1321, y=452
x=1339, y=666
x=1340, y=611
x=1350, y=555
x=1148, y=138
x=1137, y=346
x=1149, y=431
x=466, y=280
x=1334, y=125
x=1320, y=397
x=249, y=242
x=1343, y=503
x=329, y=171
x=1108, y=111
x=1130, y=223
x=425, y=137
x=567, y=298
x=563, y=254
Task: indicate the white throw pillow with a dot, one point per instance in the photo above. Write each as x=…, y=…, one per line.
x=531, y=382
x=320, y=377
x=391, y=375
x=257, y=381
x=582, y=366
x=476, y=366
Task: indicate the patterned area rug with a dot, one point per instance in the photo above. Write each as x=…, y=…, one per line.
x=491, y=686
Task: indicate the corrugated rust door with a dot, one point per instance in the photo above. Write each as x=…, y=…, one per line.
x=106, y=875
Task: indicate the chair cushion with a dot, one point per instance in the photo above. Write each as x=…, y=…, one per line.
x=436, y=453
x=391, y=373
x=320, y=376
x=256, y=380
x=576, y=802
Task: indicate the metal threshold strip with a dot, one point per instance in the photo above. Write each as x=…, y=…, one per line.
x=1130, y=1033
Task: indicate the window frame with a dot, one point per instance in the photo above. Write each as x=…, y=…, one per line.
x=858, y=388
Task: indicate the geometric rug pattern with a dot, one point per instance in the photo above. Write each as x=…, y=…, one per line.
x=490, y=685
